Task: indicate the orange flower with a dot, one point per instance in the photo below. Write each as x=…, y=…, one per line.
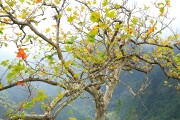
x=151, y=29
x=21, y=54
x=130, y=30
x=38, y=1
x=20, y=83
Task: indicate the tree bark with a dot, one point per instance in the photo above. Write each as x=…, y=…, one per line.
x=101, y=107
x=34, y=117
x=102, y=100
x=100, y=113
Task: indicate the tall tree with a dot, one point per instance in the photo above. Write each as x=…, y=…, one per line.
x=83, y=45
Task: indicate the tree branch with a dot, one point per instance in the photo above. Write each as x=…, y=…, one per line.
x=31, y=80
x=33, y=117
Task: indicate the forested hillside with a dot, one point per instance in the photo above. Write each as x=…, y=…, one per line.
x=160, y=101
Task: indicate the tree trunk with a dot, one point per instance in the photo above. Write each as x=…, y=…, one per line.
x=100, y=113
x=101, y=107
x=102, y=101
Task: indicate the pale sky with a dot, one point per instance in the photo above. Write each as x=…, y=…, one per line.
x=174, y=9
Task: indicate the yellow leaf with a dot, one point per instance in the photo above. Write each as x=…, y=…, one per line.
x=6, y=19
x=168, y=4
x=72, y=119
x=21, y=1
x=23, y=15
x=95, y=28
x=47, y=30
x=95, y=16
x=60, y=15
x=166, y=42
x=70, y=19
x=5, y=38
x=57, y=1
x=108, y=21
x=178, y=67
x=151, y=21
x=177, y=36
x=1, y=86
x=68, y=9
x=82, y=8
x=161, y=14
x=110, y=33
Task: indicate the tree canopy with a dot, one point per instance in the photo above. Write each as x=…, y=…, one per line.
x=82, y=45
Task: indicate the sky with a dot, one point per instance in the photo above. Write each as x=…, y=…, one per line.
x=174, y=9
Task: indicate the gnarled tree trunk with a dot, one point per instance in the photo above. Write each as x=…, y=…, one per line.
x=102, y=101
x=101, y=107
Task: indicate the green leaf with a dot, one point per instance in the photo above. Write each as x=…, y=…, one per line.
x=23, y=14
x=1, y=32
x=5, y=44
x=49, y=57
x=71, y=40
x=161, y=9
x=9, y=77
x=10, y=3
x=134, y=20
x=44, y=106
x=107, y=10
x=70, y=19
x=101, y=55
x=91, y=38
x=160, y=4
x=68, y=48
x=41, y=95
x=19, y=67
x=28, y=105
x=177, y=59
x=117, y=26
x=93, y=33
x=95, y=16
x=5, y=62
x=71, y=111
x=105, y=2
x=21, y=1
x=69, y=62
x=59, y=15
x=167, y=0
x=117, y=6
x=111, y=14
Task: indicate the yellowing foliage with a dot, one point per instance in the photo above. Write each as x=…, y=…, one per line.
x=130, y=30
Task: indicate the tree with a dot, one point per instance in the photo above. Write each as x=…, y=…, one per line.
x=83, y=45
